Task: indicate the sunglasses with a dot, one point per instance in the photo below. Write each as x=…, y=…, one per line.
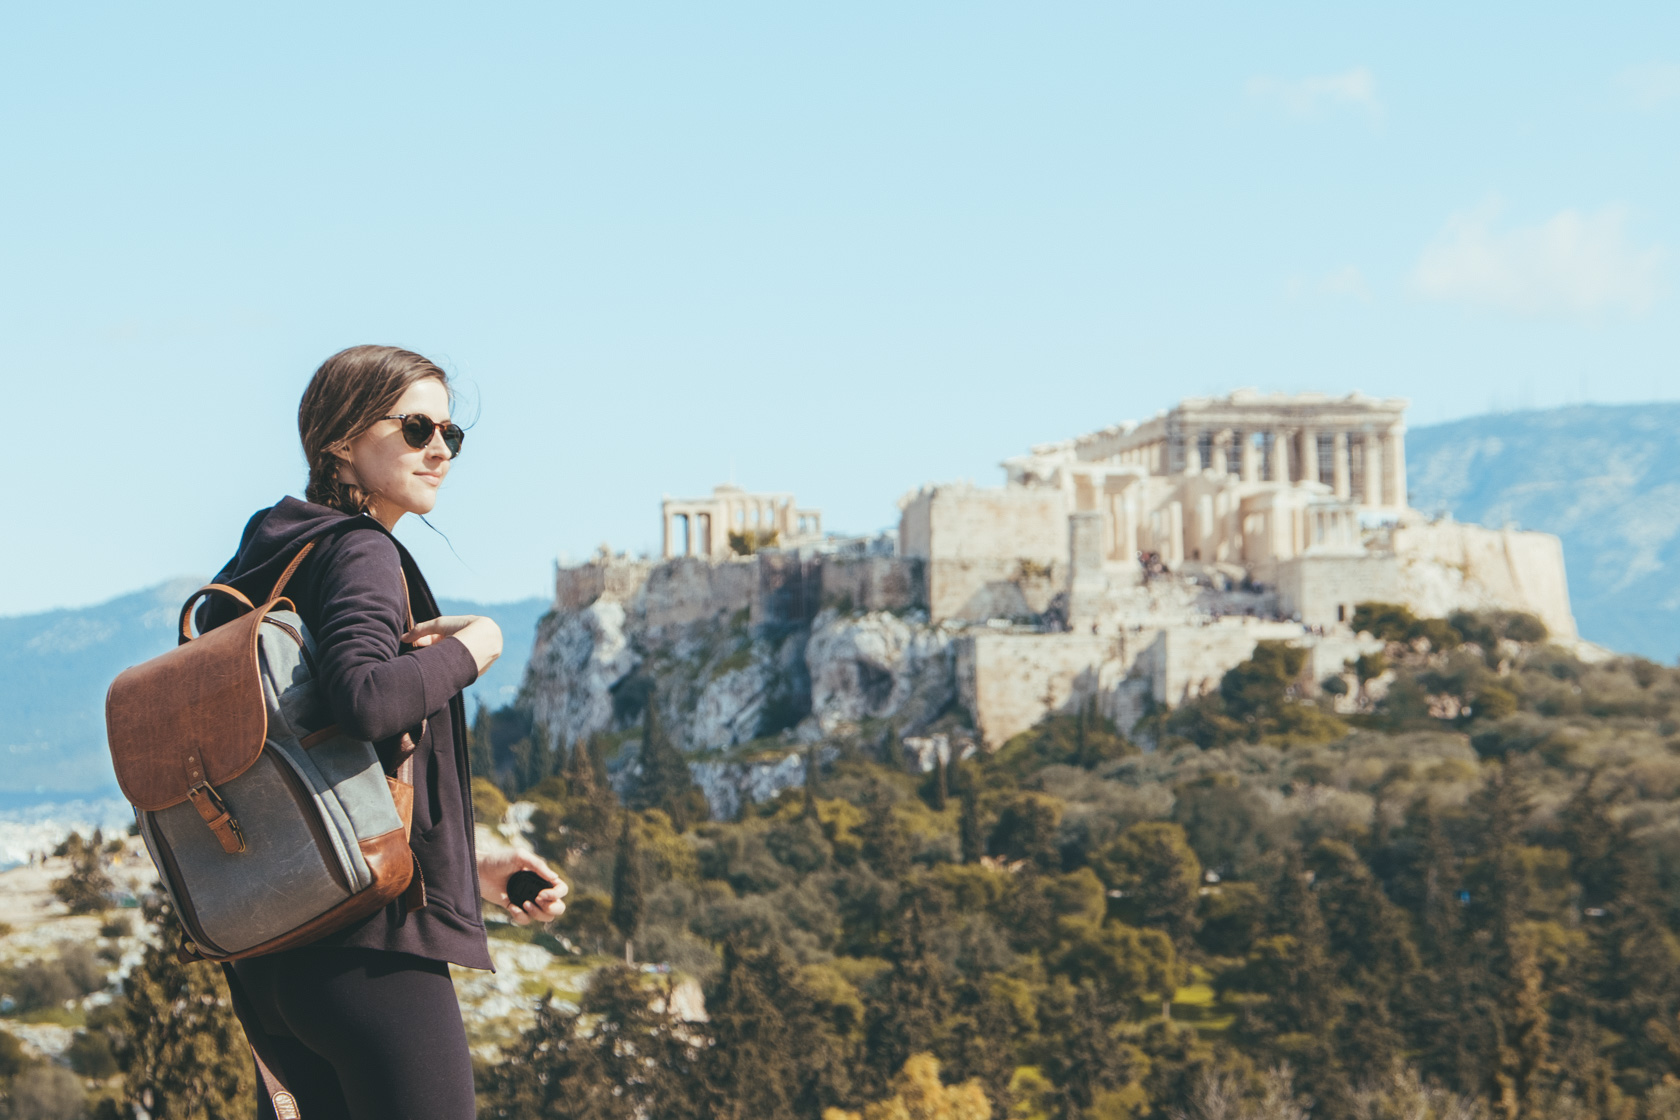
x=418, y=431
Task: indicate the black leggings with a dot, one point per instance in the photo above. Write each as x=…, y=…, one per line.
x=361, y=1034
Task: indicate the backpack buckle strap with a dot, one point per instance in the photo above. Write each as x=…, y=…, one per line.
x=214, y=810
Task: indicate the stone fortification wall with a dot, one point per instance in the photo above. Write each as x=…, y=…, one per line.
x=613, y=577
x=1185, y=662
x=873, y=583
x=988, y=553
x=1447, y=565
x=1009, y=681
x=688, y=589
x=786, y=590
x=1323, y=590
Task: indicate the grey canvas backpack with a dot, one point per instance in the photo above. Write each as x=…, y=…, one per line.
x=269, y=827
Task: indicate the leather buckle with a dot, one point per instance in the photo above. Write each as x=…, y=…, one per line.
x=214, y=811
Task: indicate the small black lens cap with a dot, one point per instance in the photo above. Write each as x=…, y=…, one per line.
x=524, y=886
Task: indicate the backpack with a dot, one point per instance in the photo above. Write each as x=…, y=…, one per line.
x=269, y=827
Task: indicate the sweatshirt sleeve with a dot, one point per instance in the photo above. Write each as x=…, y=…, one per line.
x=374, y=690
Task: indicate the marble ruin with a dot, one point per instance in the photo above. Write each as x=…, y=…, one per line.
x=701, y=526
x=1135, y=564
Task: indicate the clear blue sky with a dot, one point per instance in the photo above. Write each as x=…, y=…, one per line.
x=834, y=249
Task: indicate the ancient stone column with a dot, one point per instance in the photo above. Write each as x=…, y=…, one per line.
x=1250, y=459
x=1172, y=551
x=1309, y=455
x=1280, y=455
x=1373, y=470
x=1193, y=453
x=1339, y=466
x=1086, y=583
x=1394, y=466
x=665, y=536
x=1222, y=452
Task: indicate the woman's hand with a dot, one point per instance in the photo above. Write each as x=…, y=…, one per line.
x=494, y=870
x=481, y=636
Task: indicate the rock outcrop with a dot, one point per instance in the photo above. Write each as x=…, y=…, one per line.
x=878, y=666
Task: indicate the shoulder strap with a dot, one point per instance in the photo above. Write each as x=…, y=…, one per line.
x=291, y=569
x=268, y=1072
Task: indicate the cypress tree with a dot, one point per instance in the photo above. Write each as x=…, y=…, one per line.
x=808, y=808
x=937, y=788
x=1089, y=1055
x=481, y=752
x=885, y=846
x=626, y=914
x=969, y=836
x=750, y=1063
x=912, y=1004
x=664, y=782
x=187, y=1056
x=892, y=750
x=1507, y=970
x=1305, y=999
x=579, y=771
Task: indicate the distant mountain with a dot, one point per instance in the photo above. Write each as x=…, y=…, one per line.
x=1604, y=478
x=55, y=667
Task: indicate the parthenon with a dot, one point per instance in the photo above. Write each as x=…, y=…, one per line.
x=1245, y=479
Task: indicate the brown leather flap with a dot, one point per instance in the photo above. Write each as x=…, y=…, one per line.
x=193, y=714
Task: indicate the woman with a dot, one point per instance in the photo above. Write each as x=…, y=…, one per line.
x=364, y=1023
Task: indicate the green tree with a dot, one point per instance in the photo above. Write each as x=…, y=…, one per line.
x=87, y=888
x=771, y=1055
x=626, y=913
x=186, y=1056
x=1026, y=828
x=1090, y=1055
x=885, y=845
x=970, y=841
x=636, y=1059
x=905, y=1016
x=664, y=781
x=1159, y=876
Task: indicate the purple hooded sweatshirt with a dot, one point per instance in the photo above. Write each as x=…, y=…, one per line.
x=350, y=593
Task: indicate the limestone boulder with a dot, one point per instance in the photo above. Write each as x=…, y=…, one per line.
x=578, y=657
x=728, y=783
x=878, y=666
x=730, y=707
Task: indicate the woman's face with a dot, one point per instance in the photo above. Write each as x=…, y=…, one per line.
x=400, y=479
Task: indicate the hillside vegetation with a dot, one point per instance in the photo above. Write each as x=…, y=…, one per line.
x=1457, y=897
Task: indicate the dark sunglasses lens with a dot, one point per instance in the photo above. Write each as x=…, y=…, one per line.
x=417, y=430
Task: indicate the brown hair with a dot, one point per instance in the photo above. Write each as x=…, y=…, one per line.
x=347, y=395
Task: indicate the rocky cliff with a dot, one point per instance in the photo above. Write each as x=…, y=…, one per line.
x=743, y=701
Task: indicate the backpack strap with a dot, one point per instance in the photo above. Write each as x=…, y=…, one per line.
x=233, y=593
x=291, y=570
x=284, y=1103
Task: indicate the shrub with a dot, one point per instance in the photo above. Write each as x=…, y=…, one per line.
x=90, y=1055
x=47, y=1092
x=87, y=889
x=41, y=984
x=1392, y=622
x=490, y=804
